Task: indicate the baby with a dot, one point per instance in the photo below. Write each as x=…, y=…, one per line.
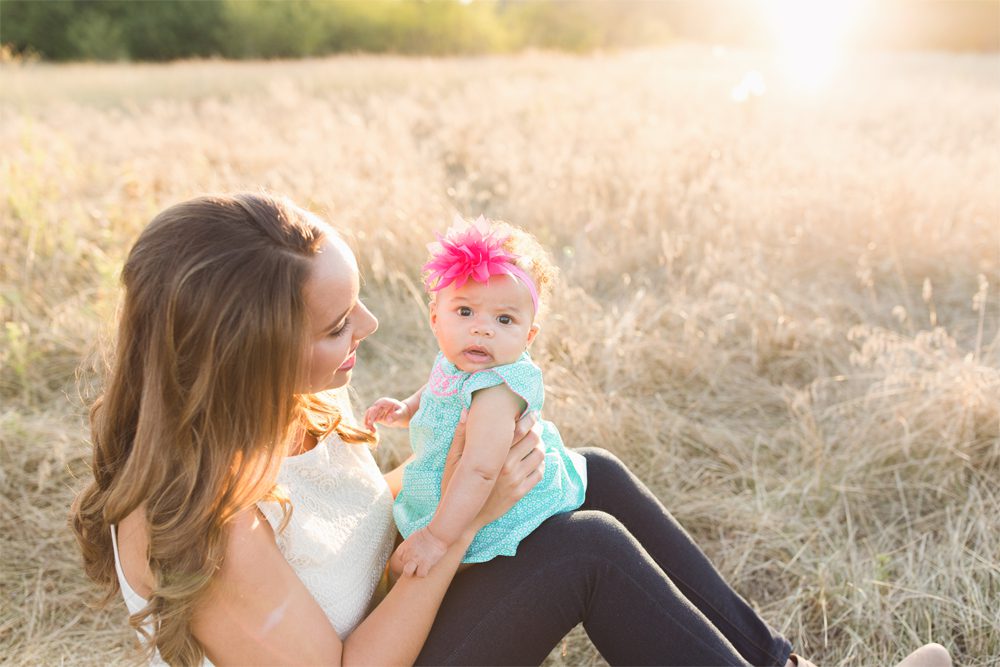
x=484, y=280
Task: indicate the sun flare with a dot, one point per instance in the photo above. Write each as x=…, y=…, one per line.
x=810, y=37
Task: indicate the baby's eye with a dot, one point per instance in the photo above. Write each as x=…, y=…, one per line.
x=464, y=311
x=505, y=319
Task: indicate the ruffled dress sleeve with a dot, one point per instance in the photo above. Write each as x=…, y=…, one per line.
x=523, y=377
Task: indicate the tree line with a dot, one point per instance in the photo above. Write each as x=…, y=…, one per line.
x=172, y=29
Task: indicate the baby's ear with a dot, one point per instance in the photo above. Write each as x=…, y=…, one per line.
x=433, y=313
x=532, y=332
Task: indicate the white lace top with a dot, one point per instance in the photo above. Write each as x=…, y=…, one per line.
x=341, y=532
x=340, y=535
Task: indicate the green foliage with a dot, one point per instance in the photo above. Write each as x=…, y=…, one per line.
x=268, y=29
x=97, y=36
x=263, y=28
x=169, y=29
x=569, y=26
x=39, y=26
x=112, y=29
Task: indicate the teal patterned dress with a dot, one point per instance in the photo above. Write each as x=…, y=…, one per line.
x=448, y=391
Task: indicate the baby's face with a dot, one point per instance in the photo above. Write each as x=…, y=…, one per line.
x=481, y=326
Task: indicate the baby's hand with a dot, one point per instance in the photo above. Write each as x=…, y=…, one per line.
x=387, y=411
x=418, y=554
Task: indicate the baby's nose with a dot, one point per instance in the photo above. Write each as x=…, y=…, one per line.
x=480, y=329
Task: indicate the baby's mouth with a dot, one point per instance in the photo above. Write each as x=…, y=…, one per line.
x=476, y=353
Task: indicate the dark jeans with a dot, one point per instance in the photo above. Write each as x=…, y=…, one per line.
x=623, y=567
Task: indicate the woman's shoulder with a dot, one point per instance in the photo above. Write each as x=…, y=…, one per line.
x=250, y=559
x=249, y=542
x=255, y=587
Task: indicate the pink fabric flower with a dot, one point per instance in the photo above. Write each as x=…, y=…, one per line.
x=472, y=251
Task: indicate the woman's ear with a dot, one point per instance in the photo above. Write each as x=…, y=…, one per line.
x=532, y=332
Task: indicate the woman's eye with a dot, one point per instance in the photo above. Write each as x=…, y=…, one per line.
x=505, y=319
x=340, y=330
x=464, y=311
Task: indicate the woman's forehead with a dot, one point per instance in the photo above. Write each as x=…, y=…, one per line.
x=333, y=281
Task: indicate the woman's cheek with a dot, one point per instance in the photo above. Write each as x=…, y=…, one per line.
x=335, y=352
x=325, y=362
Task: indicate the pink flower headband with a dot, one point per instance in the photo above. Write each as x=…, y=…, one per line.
x=472, y=251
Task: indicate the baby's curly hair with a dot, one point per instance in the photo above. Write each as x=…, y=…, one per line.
x=532, y=258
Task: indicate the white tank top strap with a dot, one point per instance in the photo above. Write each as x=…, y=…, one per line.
x=136, y=602
x=133, y=600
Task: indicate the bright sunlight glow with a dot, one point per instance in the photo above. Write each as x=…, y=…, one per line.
x=811, y=36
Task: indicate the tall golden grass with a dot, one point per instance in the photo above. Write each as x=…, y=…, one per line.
x=783, y=314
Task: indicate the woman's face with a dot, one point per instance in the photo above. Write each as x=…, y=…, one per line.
x=337, y=321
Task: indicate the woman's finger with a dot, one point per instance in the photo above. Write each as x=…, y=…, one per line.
x=458, y=440
x=524, y=425
x=533, y=477
x=532, y=440
x=534, y=461
x=518, y=469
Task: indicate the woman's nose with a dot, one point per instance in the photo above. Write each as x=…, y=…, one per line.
x=368, y=324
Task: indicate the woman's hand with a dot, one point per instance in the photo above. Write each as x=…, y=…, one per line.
x=523, y=468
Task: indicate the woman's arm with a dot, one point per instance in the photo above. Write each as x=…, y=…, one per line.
x=257, y=611
x=395, y=631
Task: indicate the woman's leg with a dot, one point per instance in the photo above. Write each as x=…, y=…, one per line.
x=577, y=567
x=612, y=488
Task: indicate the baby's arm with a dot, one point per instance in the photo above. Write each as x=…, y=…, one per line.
x=391, y=412
x=489, y=430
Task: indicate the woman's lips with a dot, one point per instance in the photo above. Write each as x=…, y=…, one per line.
x=349, y=363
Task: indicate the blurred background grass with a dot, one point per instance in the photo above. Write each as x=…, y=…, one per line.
x=779, y=304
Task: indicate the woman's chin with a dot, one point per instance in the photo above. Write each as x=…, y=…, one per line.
x=341, y=379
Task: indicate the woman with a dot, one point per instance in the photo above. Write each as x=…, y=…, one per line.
x=245, y=522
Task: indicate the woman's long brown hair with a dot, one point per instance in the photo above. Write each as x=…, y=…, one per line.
x=199, y=402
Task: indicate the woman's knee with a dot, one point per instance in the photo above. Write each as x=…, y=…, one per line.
x=928, y=655
x=590, y=532
x=601, y=459
x=607, y=477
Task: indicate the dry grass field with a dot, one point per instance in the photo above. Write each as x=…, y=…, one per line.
x=782, y=313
